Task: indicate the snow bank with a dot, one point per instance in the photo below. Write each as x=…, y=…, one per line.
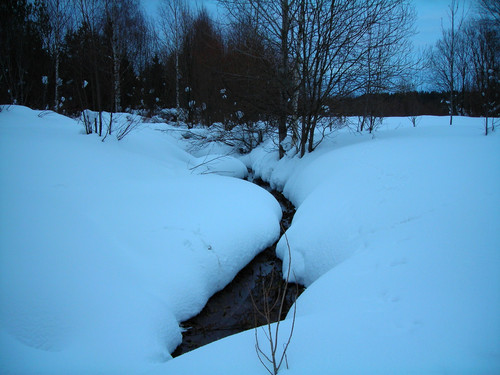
x=359, y=185
x=106, y=247
x=397, y=238
x=224, y=165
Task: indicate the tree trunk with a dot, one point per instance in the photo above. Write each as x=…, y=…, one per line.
x=110, y=122
x=297, y=79
x=177, y=80
x=282, y=126
x=282, y=134
x=312, y=128
x=56, y=89
x=100, y=124
x=116, y=70
x=452, y=61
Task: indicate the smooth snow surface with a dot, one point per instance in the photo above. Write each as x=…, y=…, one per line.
x=397, y=236
x=106, y=246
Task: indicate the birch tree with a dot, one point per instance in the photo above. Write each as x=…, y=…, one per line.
x=320, y=47
x=278, y=26
x=444, y=57
x=90, y=13
x=346, y=46
x=484, y=46
x=60, y=17
x=385, y=57
x=175, y=19
x=127, y=29
x=23, y=59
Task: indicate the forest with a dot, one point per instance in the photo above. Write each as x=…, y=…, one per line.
x=293, y=64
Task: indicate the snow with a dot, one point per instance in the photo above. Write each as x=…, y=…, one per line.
x=374, y=186
x=106, y=247
x=220, y=164
x=396, y=236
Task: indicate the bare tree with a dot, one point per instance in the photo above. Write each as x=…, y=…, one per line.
x=492, y=8
x=60, y=17
x=321, y=46
x=409, y=86
x=277, y=25
x=175, y=19
x=452, y=46
x=330, y=57
x=463, y=69
x=127, y=29
x=349, y=46
x=385, y=61
x=90, y=12
x=466, y=60
x=23, y=59
x=248, y=76
x=444, y=57
x=484, y=47
x=273, y=358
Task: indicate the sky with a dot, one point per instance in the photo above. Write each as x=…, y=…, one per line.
x=151, y=6
x=430, y=15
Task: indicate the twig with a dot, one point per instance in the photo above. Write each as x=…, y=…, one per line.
x=272, y=333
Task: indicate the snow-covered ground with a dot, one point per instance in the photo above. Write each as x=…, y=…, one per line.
x=105, y=247
x=397, y=237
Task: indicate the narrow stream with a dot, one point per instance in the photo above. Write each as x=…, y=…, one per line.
x=232, y=309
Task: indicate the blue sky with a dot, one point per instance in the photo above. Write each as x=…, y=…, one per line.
x=430, y=15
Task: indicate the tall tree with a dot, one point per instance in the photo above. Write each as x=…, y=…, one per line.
x=90, y=16
x=321, y=47
x=127, y=29
x=23, y=60
x=202, y=56
x=60, y=16
x=175, y=20
x=277, y=21
x=385, y=58
x=444, y=57
x=249, y=72
x=490, y=8
x=484, y=46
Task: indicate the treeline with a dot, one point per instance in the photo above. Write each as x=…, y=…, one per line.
x=292, y=63
x=105, y=55
x=412, y=103
x=465, y=62
x=69, y=55
x=416, y=103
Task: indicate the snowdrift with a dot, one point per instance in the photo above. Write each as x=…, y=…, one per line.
x=397, y=237
x=106, y=246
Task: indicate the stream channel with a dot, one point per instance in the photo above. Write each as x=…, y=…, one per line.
x=233, y=309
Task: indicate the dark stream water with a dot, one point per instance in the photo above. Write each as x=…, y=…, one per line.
x=233, y=309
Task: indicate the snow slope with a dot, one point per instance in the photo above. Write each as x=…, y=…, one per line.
x=397, y=237
x=106, y=247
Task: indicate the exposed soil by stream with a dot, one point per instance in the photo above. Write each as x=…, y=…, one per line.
x=233, y=309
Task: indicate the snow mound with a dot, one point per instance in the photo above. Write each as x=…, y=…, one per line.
x=106, y=246
x=223, y=165
x=397, y=238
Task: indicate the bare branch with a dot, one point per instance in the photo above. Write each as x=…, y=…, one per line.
x=272, y=332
